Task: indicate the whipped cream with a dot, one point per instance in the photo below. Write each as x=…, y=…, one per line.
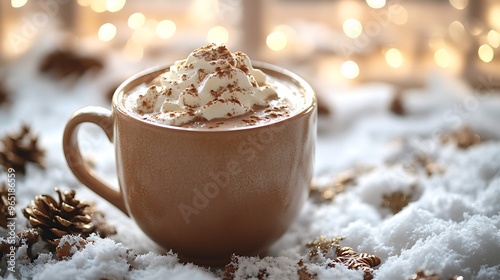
x=211, y=83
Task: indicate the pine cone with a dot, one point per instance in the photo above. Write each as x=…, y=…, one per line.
x=5, y=212
x=56, y=219
x=25, y=236
x=20, y=149
x=61, y=64
x=353, y=260
x=4, y=94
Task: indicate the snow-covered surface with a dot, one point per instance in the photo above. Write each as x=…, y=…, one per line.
x=451, y=227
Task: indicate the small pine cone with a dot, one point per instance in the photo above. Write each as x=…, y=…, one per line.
x=4, y=93
x=4, y=206
x=4, y=247
x=56, y=219
x=68, y=245
x=231, y=268
x=24, y=237
x=20, y=149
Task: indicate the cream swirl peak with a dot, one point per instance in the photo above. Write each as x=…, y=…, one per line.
x=211, y=83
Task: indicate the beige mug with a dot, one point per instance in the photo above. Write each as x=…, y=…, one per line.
x=205, y=194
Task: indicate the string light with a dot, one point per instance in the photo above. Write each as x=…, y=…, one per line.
x=166, y=29
x=84, y=3
x=352, y=28
x=376, y=4
x=115, y=5
x=394, y=58
x=218, y=35
x=106, y=32
x=98, y=6
x=485, y=53
x=457, y=31
x=493, y=16
x=136, y=20
x=459, y=4
x=493, y=38
x=350, y=69
x=18, y=3
x=442, y=58
x=276, y=41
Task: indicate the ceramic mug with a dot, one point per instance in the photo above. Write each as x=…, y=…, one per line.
x=205, y=194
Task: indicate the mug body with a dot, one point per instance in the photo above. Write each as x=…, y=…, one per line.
x=207, y=194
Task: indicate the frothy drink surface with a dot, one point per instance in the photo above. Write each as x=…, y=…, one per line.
x=214, y=88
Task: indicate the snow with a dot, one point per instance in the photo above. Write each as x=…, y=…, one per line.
x=450, y=227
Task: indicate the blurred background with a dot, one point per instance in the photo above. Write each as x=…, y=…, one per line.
x=338, y=43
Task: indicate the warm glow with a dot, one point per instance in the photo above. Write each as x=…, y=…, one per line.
x=493, y=38
x=166, y=29
x=106, y=32
x=84, y=3
x=457, y=31
x=485, y=53
x=493, y=16
x=442, y=58
x=18, y=3
x=98, y=6
x=218, y=35
x=350, y=69
x=401, y=17
x=136, y=20
x=276, y=41
x=352, y=28
x=476, y=30
x=349, y=9
x=376, y=4
x=133, y=51
x=394, y=58
x=115, y=5
x=202, y=12
x=459, y=4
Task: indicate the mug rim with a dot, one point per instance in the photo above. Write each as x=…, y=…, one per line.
x=310, y=97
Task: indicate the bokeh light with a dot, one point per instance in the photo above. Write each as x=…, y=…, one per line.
x=457, y=31
x=485, y=53
x=352, y=28
x=84, y=3
x=350, y=69
x=493, y=14
x=136, y=20
x=18, y=3
x=459, y=4
x=442, y=58
x=394, y=58
x=218, y=35
x=277, y=41
x=98, y=6
x=115, y=5
x=400, y=16
x=106, y=32
x=493, y=38
x=166, y=29
x=376, y=4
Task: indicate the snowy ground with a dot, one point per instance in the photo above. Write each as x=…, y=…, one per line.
x=450, y=227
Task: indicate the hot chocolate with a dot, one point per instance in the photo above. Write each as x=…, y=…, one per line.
x=206, y=193
x=214, y=88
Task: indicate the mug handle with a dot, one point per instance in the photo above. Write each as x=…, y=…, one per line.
x=104, y=119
